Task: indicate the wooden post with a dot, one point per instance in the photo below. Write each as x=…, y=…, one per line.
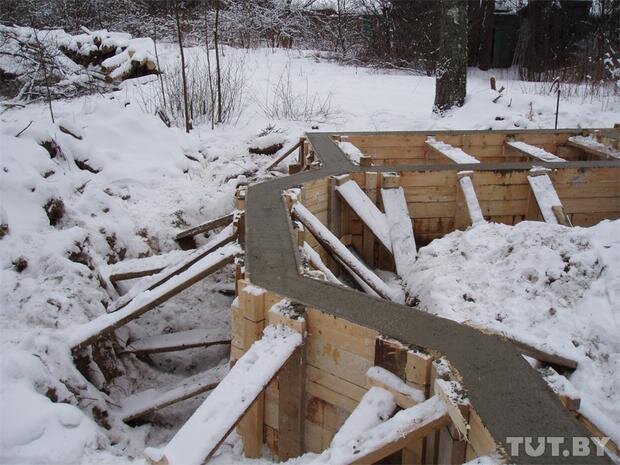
x=461, y=216
x=368, y=238
x=252, y=311
x=334, y=218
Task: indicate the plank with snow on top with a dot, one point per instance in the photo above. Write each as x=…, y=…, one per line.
x=471, y=200
x=546, y=196
x=453, y=153
x=360, y=282
x=351, y=151
x=282, y=157
x=406, y=396
x=400, y=228
x=86, y=334
x=206, y=226
x=151, y=400
x=207, y=428
x=315, y=260
x=225, y=236
x=390, y=436
x=592, y=146
x=333, y=245
x=172, y=342
x=532, y=151
x=141, y=267
x=368, y=212
x=375, y=407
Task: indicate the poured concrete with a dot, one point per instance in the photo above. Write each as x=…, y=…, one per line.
x=511, y=397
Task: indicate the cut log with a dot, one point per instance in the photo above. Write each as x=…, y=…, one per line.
x=151, y=400
x=86, y=334
x=205, y=227
x=453, y=153
x=222, y=238
x=282, y=157
x=546, y=197
x=592, y=146
x=335, y=247
x=521, y=148
x=400, y=228
x=207, y=428
x=368, y=212
x=370, y=446
x=175, y=341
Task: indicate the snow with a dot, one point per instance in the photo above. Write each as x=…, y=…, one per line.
x=453, y=153
x=351, y=151
x=473, y=206
x=395, y=428
x=400, y=227
x=79, y=334
x=375, y=407
x=268, y=140
x=593, y=144
x=534, y=151
x=214, y=419
x=389, y=379
x=153, y=262
x=323, y=234
x=366, y=210
x=552, y=287
x=546, y=196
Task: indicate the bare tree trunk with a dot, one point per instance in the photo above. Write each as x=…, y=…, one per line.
x=188, y=125
x=218, y=75
x=161, y=79
x=210, y=77
x=474, y=14
x=451, y=80
x=486, y=39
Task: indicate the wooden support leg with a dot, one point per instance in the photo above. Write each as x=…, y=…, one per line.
x=368, y=238
x=291, y=411
x=334, y=219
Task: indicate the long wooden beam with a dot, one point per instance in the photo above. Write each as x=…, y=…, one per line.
x=592, y=146
x=278, y=160
x=530, y=151
x=206, y=227
x=400, y=228
x=454, y=154
x=547, y=198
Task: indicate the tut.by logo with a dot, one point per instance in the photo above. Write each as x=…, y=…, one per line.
x=556, y=446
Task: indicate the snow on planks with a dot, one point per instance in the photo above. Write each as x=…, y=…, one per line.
x=594, y=147
x=400, y=228
x=333, y=245
x=471, y=200
x=207, y=428
x=176, y=341
x=223, y=237
x=368, y=212
x=205, y=227
x=453, y=153
x=546, y=196
x=532, y=151
x=86, y=334
x=141, y=267
x=388, y=437
x=151, y=400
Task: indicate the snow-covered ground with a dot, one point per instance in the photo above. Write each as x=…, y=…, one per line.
x=151, y=181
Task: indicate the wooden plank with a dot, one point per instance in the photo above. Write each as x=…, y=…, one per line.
x=391, y=355
x=593, y=147
x=405, y=396
x=172, y=342
x=146, y=402
x=334, y=383
x=531, y=151
x=205, y=227
x=470, y=200
x=446, y=150
x=116, y=277
x=335, y=247
x=325, y=355
x=546, y=197
x=452, y=394
x=91, y=331
x=552, y=359
x=479, y=437
x=400, y=228
x=429, y=416
x=278, y=160
x=230, y=400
